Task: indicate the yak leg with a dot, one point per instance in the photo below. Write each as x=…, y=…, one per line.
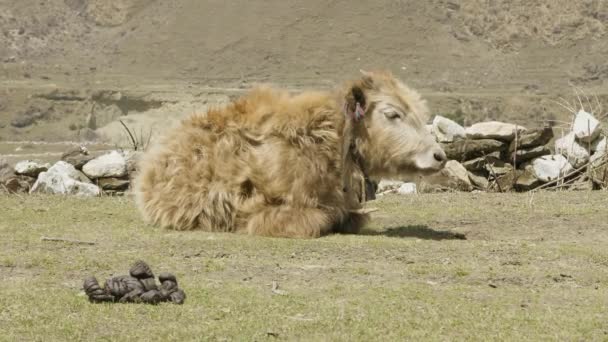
x=351, y=224
x=288, y=221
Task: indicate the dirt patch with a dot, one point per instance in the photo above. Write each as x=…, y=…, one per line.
x=509, y=25
x=474, y=60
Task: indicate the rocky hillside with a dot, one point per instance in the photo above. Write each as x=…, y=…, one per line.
x=474, y=59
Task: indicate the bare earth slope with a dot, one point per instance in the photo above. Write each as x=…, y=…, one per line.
x=474, y=59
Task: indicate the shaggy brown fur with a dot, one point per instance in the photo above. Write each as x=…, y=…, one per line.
x=276, y=164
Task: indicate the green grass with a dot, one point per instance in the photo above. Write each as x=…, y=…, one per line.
x=530, y=268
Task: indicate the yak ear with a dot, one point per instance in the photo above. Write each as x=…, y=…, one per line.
x=358, y=96
x=356, y=103
x=367, y=78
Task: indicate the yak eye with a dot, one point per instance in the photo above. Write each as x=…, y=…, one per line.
x=392, y=115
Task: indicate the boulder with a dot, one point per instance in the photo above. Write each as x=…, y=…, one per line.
x=30, y=168
x=526, y=181
x=469, y=149
x=407, y=189
x=551, y=167
x=62, y=178
x=518, y=180
x=585, y=126
x=495, y=166
x=452, y=176
x=506, y=182
x=112, y=164
x=77, y=157
x=447, y=130
x=529, y=153
x=532, y=138
x=479, y=180
x=115, y=184
x=577, y=154
x=18, y=184
x=493, y=130
x=479, y=164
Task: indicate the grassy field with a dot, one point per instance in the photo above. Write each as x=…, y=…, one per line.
x=443, y=267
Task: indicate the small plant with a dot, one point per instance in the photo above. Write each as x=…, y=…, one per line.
x=138, y=142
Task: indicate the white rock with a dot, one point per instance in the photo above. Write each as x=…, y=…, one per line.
x=113, y=164
x=62, y=178
x=30, y=168
x=447, y=130
x=493, y=130
x=548, y=168
x=585, y=127
x=568, y=146
x=600, y=144
x=407, y=189
x=386, y=185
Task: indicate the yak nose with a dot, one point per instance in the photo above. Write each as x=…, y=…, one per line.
x=440, y=156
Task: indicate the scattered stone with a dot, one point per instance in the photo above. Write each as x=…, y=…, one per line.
x=585, y=127
x=497, y=167
x=527, y=181
x=77, y=157
x=30, y=168
x=112, y=164
x=388, y=185
x=493, y=130
x=549, y=168
x=600, y=144
x=505, y=183
x=526, y=154
x=479, y=164
x=447, y=130
x=18, y=184
x=479, y=180
x=518, y=180
x=114, y=184
x=453, y=176
x=476, y=164
x=568, y=146
x=407, y=189
x=532, y=138
x=469, y=149
x=62, y=178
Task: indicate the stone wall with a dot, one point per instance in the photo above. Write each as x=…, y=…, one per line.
x=487, y=156
x=502, y=157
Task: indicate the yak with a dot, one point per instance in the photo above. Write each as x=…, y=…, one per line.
x=283, y=164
